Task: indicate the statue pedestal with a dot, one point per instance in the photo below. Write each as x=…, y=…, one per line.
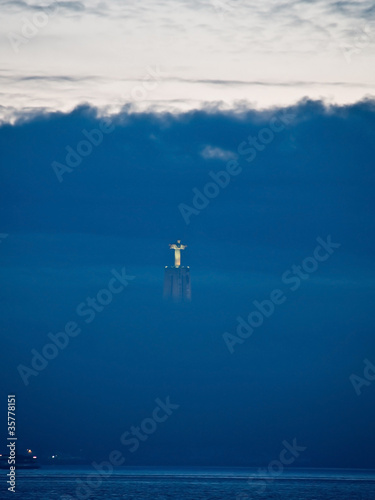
x=177, y=285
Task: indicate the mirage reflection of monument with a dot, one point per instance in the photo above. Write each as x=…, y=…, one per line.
x=177, y=286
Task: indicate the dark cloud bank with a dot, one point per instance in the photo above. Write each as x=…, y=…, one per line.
x=119, y=207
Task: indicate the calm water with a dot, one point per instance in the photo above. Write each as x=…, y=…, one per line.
x=192, y=483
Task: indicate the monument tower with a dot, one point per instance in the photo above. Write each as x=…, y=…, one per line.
x=177, y=285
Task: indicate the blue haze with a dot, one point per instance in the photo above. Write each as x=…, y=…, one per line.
x=120, y=208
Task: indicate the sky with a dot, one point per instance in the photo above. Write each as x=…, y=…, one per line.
x=246, y=131
x=121, y=208
x=223, y=52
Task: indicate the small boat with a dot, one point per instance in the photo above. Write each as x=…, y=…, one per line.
x=28, y=461
x=65, y=459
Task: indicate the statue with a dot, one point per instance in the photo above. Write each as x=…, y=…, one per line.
x=177, y=247
x=177, y=286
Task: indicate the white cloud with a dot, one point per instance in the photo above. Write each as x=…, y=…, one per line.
x=267, y=53
x=215, y=153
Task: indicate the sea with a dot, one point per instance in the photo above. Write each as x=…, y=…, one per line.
x=166, y=483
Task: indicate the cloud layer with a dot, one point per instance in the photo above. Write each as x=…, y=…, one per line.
x=266, y=54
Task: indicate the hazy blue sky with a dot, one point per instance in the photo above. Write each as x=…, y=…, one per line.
x=120, y=208
x=267, y=108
